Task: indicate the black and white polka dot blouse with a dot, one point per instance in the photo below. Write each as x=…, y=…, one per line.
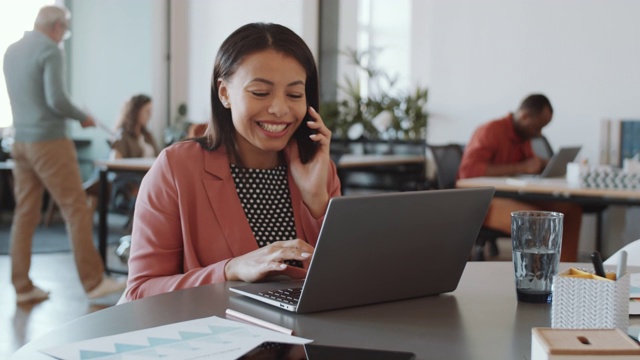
x=265, y=198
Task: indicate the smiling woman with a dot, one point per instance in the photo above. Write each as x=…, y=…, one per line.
x=246, y=200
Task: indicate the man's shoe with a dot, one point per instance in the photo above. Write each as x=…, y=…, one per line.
x=35, y=295
x=108, y=286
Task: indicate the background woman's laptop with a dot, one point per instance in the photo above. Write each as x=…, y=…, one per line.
x=384, y=247
x=557, y=165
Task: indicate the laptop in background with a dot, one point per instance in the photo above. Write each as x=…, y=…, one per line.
x=557, y=165
x=384, y=247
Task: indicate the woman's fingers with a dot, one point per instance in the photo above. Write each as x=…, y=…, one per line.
x=318, y=124
x=298, y=244
x=316, y=116
x=291, y=250
x=269, y=260
x=319, y=138
x=276, y=266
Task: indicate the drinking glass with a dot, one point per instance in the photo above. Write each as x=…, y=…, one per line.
x=537, y=239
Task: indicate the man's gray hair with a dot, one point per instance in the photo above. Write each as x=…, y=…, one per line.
x=48, y=16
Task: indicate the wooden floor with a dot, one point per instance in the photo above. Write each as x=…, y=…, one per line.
x=56, y=273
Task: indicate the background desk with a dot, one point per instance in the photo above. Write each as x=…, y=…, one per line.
x=390, y=172
x=348, y=161
x=129, y=165
x=556, y=190
x=480, y=320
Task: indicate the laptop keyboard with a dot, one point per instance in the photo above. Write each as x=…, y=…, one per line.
x=287, y=296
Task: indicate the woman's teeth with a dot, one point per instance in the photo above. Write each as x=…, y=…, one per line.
x=274, y=128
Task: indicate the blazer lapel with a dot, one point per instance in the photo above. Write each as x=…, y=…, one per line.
x=225, y=203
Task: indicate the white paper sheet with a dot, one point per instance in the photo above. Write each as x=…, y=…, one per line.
x=206, y=338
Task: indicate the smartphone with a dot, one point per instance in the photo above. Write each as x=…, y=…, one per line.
x=306, y=147
x=283, y=351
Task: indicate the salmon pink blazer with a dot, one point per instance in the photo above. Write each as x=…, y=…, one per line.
x=189, y=221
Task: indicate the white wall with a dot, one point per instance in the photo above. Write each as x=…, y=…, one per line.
x=196, y=42
x=118, y=49
x=347, y=38
x=480, y=58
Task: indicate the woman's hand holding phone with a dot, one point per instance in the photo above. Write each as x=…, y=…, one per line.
x=311, y=178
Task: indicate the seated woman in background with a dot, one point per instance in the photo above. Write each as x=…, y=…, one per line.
x=133, y=140
x=246, y=200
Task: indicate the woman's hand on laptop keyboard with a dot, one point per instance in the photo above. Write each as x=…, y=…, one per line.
x=269, y=261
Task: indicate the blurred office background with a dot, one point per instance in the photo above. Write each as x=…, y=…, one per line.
x=477, y=58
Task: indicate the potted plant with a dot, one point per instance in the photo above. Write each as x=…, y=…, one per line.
x=388, y=114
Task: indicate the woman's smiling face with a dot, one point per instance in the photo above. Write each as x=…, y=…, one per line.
x=267, y=100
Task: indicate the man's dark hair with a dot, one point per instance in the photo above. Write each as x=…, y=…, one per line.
x=535, y=104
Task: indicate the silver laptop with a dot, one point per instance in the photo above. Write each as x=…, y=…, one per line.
x=557, y=165
x=384, y=247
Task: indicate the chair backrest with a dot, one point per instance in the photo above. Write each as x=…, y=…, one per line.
x=381, y=178
x=541, y=147
x=447, y=158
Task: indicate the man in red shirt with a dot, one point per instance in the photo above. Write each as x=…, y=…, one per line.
x=502, y=147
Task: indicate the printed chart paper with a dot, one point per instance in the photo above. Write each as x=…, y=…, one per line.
x=206, y=338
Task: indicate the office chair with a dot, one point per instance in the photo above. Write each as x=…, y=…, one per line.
x=541, y=147
x=381, y=178
x=448, y=158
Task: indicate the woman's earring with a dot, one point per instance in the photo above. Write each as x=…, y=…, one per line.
x=225, y=104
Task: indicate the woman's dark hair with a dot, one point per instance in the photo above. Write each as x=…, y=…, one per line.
x=128, y=121
x=247, y=40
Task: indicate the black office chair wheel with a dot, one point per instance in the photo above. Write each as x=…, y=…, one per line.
x=487, y=237
x=478, y=254
x=493, y=247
